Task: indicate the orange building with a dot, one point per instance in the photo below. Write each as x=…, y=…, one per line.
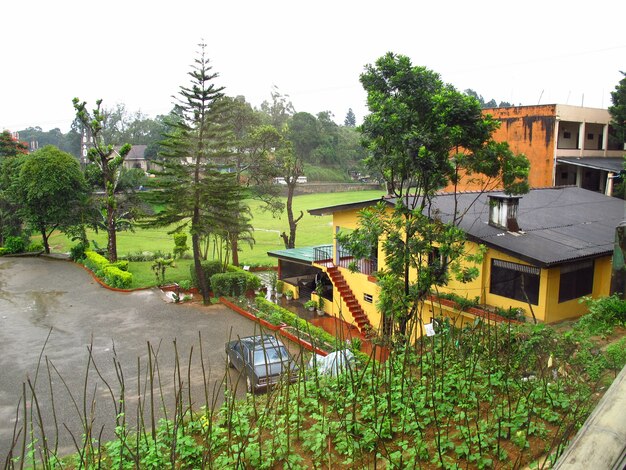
x=566, y=145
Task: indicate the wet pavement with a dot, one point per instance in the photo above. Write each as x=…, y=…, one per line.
x=43, y=298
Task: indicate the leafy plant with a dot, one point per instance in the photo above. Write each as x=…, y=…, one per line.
x=159, y=266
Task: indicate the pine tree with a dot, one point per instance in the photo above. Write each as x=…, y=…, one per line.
x=192, y=189
x=350, y=120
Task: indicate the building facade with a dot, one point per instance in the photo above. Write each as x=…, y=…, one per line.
x=566, y=145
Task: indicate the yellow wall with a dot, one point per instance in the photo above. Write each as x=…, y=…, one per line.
x=547, y=310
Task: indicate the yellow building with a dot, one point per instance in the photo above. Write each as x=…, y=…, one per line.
x=544, y=251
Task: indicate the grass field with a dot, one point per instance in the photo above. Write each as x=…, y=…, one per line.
x=312, y=230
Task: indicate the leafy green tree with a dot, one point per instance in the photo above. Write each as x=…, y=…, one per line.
x=11, y=150
x=279, y=109
x=291, y=167
x=328, y=131
x=11, y=147
x=109, y=161
x=197, y=147
x=618, y=109
x=302, y=137
x=51, y=190
x=350, y=120
x=422, y=134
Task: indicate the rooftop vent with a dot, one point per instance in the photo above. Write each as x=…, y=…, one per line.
x=503, y=212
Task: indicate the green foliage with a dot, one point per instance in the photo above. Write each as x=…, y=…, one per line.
x=185, y=284
x=34, y=247
x=109, y=162
x=616, y=355
x=77, y=252
x=604, y=314
x=14, y=245
x=231, y=284
x=180, y=244
x=327, y=175
x=121, y=264
x=209, y=267
x=159, y=266
x=115, y=277
x=94, y=261
x=618, y=109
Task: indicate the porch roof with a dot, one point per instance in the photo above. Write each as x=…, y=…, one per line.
x=611, y=164
x=305, y=254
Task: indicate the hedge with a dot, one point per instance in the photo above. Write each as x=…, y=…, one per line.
x=209, y=267
x=234, y=284
x=113, y=274
x=95, y=261
x=115, y=277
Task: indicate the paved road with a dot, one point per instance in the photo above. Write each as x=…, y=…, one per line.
x=40, y=296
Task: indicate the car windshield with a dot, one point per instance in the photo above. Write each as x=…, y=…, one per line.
x=270, y=355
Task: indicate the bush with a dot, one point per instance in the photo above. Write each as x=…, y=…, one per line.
x=121, y=264
x=604, y=314
x=95, y=262
x=15, y=245
x=209, y=267
x=34, y=247
x=180, y=244
x=234, y=284
x=77, y=252
x=228, y=284
x=115, y=277
x=3, y=251
x=185, y=284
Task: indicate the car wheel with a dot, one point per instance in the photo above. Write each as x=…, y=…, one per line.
x=249, y=384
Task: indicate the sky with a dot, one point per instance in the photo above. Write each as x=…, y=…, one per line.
x=138, y=52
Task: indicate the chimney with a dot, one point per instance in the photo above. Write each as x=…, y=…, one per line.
x=503, y=212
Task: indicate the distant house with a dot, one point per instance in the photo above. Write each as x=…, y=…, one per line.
x=545, y=250
x=566, y=145
x=136, y=158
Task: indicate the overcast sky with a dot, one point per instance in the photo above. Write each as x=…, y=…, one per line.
x=138, y=52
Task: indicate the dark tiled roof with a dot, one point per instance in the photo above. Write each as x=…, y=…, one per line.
x=558, y=225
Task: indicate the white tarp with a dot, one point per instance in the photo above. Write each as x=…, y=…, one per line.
x=333, y=364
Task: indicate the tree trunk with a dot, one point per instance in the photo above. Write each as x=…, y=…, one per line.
x=44, y=237
x=290, y=240
x=234, y=247
x=111, y=233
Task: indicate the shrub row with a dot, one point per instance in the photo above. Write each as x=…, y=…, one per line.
x=13, y=245
x=234, y=283
x=113, y=274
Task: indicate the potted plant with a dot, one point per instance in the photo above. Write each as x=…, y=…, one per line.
x=280, y=285
x=320, y=306
x=273, y=279
x=289, y=294
x=310, y=305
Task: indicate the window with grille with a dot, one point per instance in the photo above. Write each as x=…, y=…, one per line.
x=576, y=280
x=515, y=281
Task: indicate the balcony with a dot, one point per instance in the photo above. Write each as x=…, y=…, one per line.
x=324, y=256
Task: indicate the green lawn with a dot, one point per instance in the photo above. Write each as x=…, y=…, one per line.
x=312, y=230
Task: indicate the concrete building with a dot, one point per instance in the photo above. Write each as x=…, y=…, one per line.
x=566, y=145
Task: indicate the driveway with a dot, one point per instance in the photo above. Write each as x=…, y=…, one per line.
x=44, y=298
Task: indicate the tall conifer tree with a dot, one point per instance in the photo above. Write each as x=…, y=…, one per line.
x=190, y=165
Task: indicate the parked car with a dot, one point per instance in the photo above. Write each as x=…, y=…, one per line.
x=262, y=359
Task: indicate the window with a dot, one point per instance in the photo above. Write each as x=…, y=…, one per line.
x=576, y=280
x=590, y=136
x=368, y=298
x=567, y=135
x=515, y=281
